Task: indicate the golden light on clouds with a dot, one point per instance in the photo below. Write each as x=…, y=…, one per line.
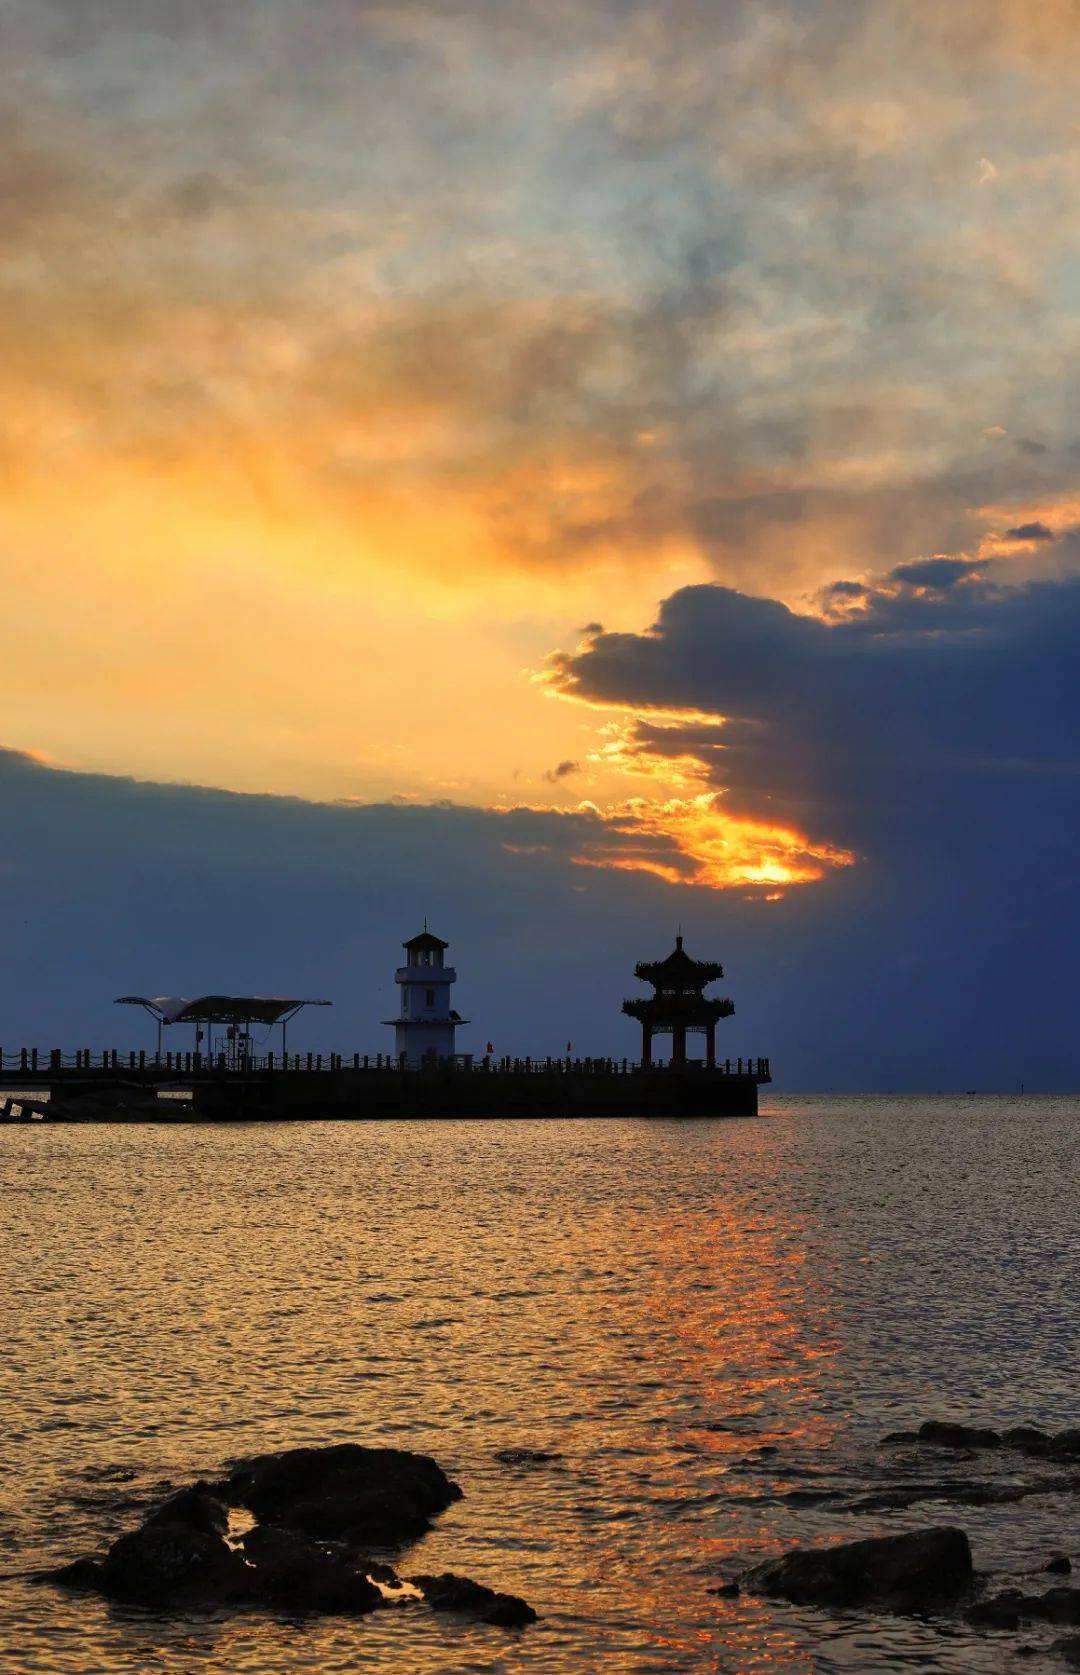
x=699, y=843
x=336, y=389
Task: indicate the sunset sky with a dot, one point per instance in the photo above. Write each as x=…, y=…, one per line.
x=586, y=466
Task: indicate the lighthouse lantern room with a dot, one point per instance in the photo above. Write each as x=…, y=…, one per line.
x=424, y=1029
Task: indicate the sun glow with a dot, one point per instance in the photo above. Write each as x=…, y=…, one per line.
x=693, y=840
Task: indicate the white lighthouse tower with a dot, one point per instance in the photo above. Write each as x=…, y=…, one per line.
x=424, y=1029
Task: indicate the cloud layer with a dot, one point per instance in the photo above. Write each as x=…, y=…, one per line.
x=934, y=690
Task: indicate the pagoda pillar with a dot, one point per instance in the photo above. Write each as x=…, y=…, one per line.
x=646, y=1046
x=710, y=1047
x=678, y=1044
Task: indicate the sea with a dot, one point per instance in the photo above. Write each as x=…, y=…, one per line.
x=706, y=1326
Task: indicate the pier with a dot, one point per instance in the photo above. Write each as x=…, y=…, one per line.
x=227, y=1079
x=111, y=1085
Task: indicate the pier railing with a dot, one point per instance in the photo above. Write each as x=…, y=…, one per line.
x=24, y=1061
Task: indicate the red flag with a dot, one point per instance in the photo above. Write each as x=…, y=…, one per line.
x=569, y=1046
x=490, y=1048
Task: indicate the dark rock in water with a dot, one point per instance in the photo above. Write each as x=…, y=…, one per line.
x=298, y=1574
x=82, y=1576
x=1065, y=1445
x=1059, y=1605
x=897, y=1438
x=726, y=1590
x=1027, y=1439
x=459, y=1593
x=1059, y=1565
x=169, y=1565
x=306, y=1499
x=1001, y=1611
x=1068, y=1650
x=944, y=1435
x=923, y=1571
x=961, y=1492
x=372, y=1497
x=525, y=1457
x=195, y=1508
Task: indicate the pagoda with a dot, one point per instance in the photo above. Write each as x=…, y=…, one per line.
x=678, y=1004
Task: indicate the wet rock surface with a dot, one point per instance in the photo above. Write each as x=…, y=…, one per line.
x=458, y=1593
x=1012, y=1607
x=372, y=1497
x=323, y=1516
x=1021, y=1439
x=297, y=1573
x=944, y=1435
x=924, y=1570
x=165, y=1564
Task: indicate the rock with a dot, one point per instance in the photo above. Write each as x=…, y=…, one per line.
x=725, y=1590
x=1059, y=1565
x=1068, y=1650
x=1027, y=1439
x=1059, y=1605
x=196, y=1509
x=372, y=1497
x=82, y=1576
x=298, y=1574
x=1001, y=1611
x=1065, y=1445
x=943, y=1435
x=525, y=1457
x=461, y=1594
x=168, y=1565
x=925, y=1570
x=896, y=1439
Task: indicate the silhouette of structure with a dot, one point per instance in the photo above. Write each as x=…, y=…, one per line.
x=235, y=1080
x=424, y=1029
x=678, y=1004
x=236, y=1012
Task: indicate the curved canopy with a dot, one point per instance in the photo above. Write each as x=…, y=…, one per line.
x=218, y=1009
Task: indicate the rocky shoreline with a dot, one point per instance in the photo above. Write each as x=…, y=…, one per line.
x=314, y=1530
x=307, y=1530
x=930, y=1572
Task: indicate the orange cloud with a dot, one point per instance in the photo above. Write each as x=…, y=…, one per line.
x=692, y=840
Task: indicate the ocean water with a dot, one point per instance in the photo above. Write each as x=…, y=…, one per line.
x=710, y=1323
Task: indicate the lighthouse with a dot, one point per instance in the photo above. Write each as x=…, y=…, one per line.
x=424, y=1028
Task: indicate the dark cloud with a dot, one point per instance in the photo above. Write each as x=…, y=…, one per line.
x=111, y=886
x=1030, y=532
x=939, y=684
x=936, y=731
x=562, y=770
x=938, y=574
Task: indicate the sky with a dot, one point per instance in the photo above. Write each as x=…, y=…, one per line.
x=566, y=470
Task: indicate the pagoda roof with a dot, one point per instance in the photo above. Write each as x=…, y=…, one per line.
x=425, y=941
x=679, y=968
